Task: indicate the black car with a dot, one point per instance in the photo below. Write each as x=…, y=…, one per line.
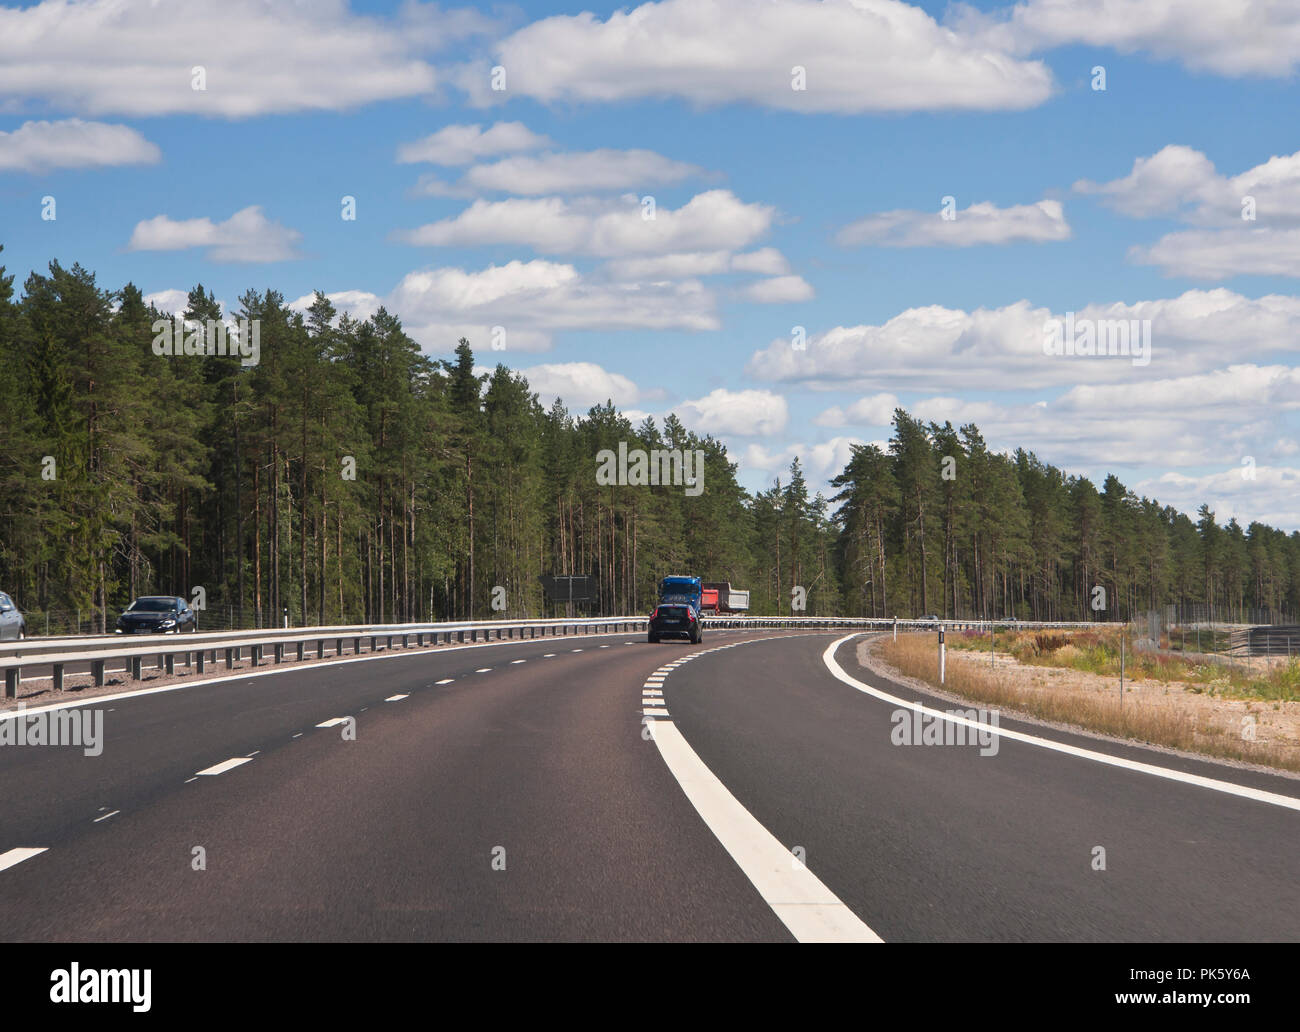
x=675, y=621
x=157, y=614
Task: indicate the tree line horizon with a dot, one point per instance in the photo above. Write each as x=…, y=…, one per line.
x=123, y=473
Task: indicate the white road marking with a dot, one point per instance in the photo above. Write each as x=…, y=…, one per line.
x=332, y=722
x=805, y=906
x=604, y=646
x=18, y=855
x=107, y=816
x=188, y=780
x=575, y=650
x=483, y=670
x=1260, y=796
x=445, y=680
x=396, y=698
x=298, y=735
x=225, y=765
x=516, y=662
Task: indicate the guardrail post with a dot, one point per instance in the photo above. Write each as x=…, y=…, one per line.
x=198, y=665
x=169, y=663
x=97, y=669
x=136, y=663
x=12, y=677
x=302, y=650
x=230, y=658
x=279, y=651
x=257, y=655
x=356, y=646
x=58, y=677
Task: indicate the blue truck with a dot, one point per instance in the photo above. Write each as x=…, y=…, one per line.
x=678, y=613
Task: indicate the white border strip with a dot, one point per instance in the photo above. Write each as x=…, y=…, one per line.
x=1227, y=787
x=805, y=906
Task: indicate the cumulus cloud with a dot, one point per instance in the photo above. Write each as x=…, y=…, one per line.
x=858, y=56
x=72, y=143
x=580, y=385
x=597, y=170
x=1183, y=183
x=876, y=410
x=982, y=223
x=465, y=144
x=714, y=220
x=1270, y=495
x=137, y=57
x=247, y=236
x=943, y=348
x=778, y=290
x=767, y=261
x=1220, y=36
x=749, y=413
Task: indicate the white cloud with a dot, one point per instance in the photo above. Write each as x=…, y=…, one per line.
x=713, y=220
x=247, y=236
x=1270, y=497
x=876, y=410
x=778, y=290
x=749, y=413
x=581, y=385
x=1221, y=36
x=859, y=55
x=1218, y=254
x=820, y=461
x=981, y=223
x=465, y=144
x=1181, y=182
x=72, y=143
x=533, y=299
x=260, y=56
x=597, y=170
x=767, y=261
x=359, y=304
x=936, y=348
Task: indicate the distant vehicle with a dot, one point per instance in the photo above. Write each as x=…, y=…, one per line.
x=932, y=618
x=675, y=620
x=157, y=614
x=681, y=589
x=13, y=626
x=729, y=599
x=709, y=599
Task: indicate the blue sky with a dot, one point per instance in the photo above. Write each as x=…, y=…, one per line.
x=774, y=207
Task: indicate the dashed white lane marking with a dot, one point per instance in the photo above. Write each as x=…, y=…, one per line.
x=445, y=680
x=225, y=765
x=396, y=698
x=660, y=712
x=19, y=854
x=549, y=655
x=805, y=906
x=516, y=662
x=298, y=735
x=1274, y=798
x=575, y=650
x=332, y=722
x=604, y=646
x=188, y=780
x=107, y=816
x=651, y=691
x=483, y=670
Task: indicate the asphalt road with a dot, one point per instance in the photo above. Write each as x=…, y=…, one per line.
x=524, y=799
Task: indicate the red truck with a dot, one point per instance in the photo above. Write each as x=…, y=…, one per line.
x=721, y=597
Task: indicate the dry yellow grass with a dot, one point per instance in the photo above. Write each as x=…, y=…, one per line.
x=1189, y=723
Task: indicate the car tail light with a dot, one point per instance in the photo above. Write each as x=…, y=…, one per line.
x=691, y=614
x=655, y=613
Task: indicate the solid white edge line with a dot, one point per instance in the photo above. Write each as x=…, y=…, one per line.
x=106, y=816
x=804, y=905
x=224, y=765
x=17, y=855
x=1227, y=787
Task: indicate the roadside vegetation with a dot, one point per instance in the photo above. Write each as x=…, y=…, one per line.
x=1194, y=705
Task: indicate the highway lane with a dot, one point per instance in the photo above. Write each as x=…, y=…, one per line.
x=390, y=836
x=942, y=843
x=393, y=835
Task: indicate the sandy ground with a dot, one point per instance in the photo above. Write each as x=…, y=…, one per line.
x=1275, y=724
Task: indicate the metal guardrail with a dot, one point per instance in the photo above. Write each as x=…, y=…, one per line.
x=197, y=650
x=1277, y=640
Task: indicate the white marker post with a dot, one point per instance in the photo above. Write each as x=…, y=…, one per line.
x=895, y=628
x=941, y=654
